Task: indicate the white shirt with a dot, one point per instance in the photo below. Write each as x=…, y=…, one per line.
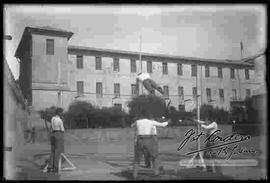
x=57, y=123
x=212, y=127
x=154, y=130
x=145, y=126
x=143, y=76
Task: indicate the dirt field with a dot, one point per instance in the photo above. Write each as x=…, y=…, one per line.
x=113, y=161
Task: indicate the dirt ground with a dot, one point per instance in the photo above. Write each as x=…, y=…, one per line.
x=113, y=161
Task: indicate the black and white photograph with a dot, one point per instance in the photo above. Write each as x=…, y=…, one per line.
x=135, y=92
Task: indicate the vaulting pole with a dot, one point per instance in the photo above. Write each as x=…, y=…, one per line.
x=140, y=57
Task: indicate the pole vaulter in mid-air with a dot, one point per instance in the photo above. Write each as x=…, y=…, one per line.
x=148, y=83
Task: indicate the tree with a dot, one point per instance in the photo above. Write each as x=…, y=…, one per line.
x=147, y=104
x=213, y=113
x=251, y=114
x=79, y=111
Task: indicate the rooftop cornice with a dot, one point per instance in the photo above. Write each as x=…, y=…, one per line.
x=72, y=48
x=42, y=31
x=50, y=30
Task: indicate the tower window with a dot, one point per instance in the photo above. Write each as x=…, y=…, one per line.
x=49, y=46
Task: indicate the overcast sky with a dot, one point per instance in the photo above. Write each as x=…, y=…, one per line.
x=193, y=31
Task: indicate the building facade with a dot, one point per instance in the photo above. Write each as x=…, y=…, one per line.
x=15, y=123
x=55, y=73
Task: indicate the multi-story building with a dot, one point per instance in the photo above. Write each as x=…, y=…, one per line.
x=55, y=73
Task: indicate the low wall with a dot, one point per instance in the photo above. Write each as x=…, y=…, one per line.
x=122, y=134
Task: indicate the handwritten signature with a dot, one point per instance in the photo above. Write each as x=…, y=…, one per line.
x=228, y=152
x=224, y=142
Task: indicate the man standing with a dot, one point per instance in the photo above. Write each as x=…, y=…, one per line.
x=210, y=128
x=57, y=141
x=148, y=83
x=33, y=135
x=146, y=142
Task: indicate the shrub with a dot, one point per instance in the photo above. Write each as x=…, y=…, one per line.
x=244, y=112
x=79, y=114
x=185, y=117
x=147, y=104
x=48, y=113
x=82, y=114
x=219, y=115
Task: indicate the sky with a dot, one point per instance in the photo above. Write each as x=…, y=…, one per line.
x=205, y=31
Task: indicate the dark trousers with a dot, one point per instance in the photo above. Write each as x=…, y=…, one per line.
x=147, y=157
x=151, y=86
x=57, y=147
x=146, y=145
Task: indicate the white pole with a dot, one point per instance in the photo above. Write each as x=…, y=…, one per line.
x=59, y=82
x=140, y=57
x=141, y=51
x=241, y=49
x=197, y=102
x=201, y=87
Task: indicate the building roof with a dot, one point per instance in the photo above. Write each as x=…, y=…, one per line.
x=74, y=49
x=51, y=28
x=252, y=58
x=46, y=30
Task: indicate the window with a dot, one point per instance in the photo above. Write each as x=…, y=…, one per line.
x=98, y=63
x=220, y=72
x=116, y=90
x=208, y=94
x=79, y=61
x=221, y=94
x=80, y=88
x=181, y=92
x=207, y=71
x=134, y=90
x=164, y=68
x=248, y=93
x=149, y=66
x=181, y=107
x=133, y=65
x=118, y=106
x=234, y=94
x=116, y=64
x=179, y=69
x=247, y=74
x=99, y=90
x=193, y=70
x=194, y=92
x=232, y=73
x=166, y=91
x=49, y=46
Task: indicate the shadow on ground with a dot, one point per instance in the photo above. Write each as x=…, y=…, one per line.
x=170, y=174
x=35, y=173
